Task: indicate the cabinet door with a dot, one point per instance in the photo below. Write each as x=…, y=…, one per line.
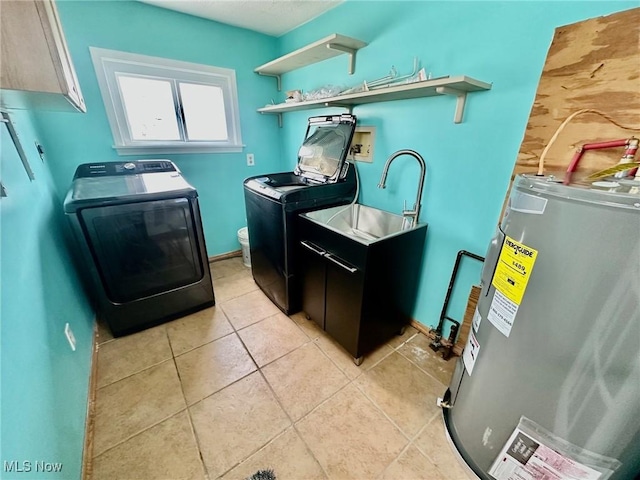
x=345, y=285
x=26, y=63
x=36, y=69
x=68, y=80
x=313, y=281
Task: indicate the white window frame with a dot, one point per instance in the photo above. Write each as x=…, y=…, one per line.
x=108, y=63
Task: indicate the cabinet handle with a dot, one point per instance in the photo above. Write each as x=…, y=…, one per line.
x=312, y=247
x=328, y=256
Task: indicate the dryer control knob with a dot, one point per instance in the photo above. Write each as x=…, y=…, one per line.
x=129, y=166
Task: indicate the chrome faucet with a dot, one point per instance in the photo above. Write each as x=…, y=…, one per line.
x=412, y=215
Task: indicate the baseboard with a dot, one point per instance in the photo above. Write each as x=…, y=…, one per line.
x=87, y=452
x=224, y=256
x=422, y=328
x=428, y=331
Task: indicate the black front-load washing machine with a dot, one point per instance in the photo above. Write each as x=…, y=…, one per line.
x=322, y=178
x=140, y=242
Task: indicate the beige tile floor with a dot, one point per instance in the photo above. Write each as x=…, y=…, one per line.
x=241, y=387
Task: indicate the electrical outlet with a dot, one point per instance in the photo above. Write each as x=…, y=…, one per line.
x=250, y=160
x=70, y=337
x=40, y=150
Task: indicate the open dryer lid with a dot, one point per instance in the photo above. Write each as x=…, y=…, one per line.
x=323, y=153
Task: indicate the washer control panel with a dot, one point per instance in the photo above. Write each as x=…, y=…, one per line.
x=124, y=168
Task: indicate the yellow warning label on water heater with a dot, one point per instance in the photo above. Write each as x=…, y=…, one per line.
x=514, y=269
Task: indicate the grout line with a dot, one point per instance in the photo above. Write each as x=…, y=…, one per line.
x=406, y=341
x=262, y=446
x=306, y=341
x=402, y=432
x=362, y=369
x=402, y=452
x=197, y=440
x=378, y=407
x=306, y=445
x=247, y=350
x=184, y=397
x=160, y=362
x=156, y=423
x=253, y=288
x=140, y=432
x=108, y=340
x=257, y=368
x=228, y=315
x=258, y=321
x=285, y=354
x=173, y=354
x=200, y=346
x=243, y=294
x=411, y=438
x=292, y=424
x=323, y=402
x=220, y=389
x=295, y=424
x=291, y=420
x=278, y=435
x=275, y=396
x=424, y=370
x=422, y=430
x=273, y=392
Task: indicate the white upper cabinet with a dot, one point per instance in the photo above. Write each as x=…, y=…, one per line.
x=36, y=71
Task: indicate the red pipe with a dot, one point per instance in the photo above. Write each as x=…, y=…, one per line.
x=631, y=149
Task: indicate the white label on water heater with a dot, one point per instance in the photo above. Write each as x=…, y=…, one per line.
x=476, y=320
x=470, y=352
x=523, y=457
x=537, y=454
x=502, y=312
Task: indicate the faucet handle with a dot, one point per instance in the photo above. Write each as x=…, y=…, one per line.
x=406, y=212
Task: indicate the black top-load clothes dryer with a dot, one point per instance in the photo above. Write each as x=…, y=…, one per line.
x=322, y=178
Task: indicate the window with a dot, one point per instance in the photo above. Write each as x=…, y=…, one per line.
x=157, y=105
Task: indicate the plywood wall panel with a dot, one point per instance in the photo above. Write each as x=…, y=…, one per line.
x=594, y=64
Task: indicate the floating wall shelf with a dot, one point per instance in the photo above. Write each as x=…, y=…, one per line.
x=328, y=47
x=457, y=86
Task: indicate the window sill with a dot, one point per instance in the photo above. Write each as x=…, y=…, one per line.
x=161, y=149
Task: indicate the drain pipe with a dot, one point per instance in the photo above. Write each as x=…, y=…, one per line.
x=436, y=344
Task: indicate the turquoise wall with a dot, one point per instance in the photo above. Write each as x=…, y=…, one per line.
x=469, y=164
x=44, y=383
x=129, y=26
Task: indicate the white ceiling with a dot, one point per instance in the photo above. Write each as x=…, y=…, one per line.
x=273, y=17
